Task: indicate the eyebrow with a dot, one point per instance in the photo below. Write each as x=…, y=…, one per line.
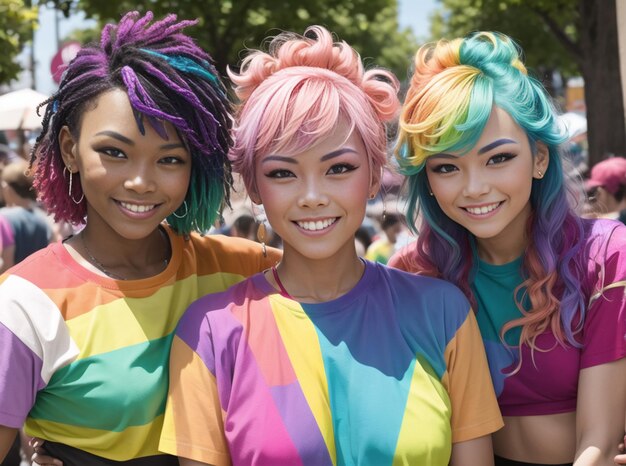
x=125, y=140
x=117, y=136
x=495, y=144
x=330, y=155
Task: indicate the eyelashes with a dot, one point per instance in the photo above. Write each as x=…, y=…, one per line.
x=496, y=159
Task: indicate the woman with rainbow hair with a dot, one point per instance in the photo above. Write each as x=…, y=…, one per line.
x=479, y=142
x=325, y=359
x=137, y=133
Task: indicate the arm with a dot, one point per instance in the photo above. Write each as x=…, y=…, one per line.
x=472, y=452
x=600, y=413
x=7, y=245
x=7, y=436
x=7, y=258
x=621, y=458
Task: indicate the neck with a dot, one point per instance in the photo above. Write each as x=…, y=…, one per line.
x=509, y=244
x=125, y=260
x=314, y=281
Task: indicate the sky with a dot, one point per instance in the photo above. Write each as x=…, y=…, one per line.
x=415, y=14
x=412, y=13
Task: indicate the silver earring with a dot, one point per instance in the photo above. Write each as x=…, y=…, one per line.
x=185, y=214
x=69, y=189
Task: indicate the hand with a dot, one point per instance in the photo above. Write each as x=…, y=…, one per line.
x=621, y=458
x=40, y=456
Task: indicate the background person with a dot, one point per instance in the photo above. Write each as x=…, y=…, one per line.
x=29, y=227
x=606, y=189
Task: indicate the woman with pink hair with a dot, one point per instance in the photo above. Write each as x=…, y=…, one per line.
x=325, y=359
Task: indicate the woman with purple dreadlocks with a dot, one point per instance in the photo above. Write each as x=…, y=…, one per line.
x=137, y=133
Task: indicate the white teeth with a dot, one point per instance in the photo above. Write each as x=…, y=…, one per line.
x=137, y=208
x=318, y=225
x=482, y=210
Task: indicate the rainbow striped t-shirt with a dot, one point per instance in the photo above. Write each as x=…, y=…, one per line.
x=390, y=373
x=83, y=358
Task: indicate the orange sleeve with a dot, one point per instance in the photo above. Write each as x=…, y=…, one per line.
x=475, y=411
x=193, y=424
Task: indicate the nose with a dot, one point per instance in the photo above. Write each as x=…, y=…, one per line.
x=140, y=179
x=313, y=194
x=476, y=185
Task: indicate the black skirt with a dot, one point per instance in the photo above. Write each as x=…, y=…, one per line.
x=499, y=461
x=74, y=457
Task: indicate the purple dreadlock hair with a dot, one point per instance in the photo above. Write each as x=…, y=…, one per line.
x=167, y=78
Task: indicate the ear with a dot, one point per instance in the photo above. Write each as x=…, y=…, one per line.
x=69, y=148
x=541, y=160
x=253, y=193
x=375, y=185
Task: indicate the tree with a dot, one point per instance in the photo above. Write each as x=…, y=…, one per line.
x=17, y=22
x=228, y=26
x=572, y=35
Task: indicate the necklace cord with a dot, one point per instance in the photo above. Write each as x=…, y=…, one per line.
x=283, y=291
x=113, y=275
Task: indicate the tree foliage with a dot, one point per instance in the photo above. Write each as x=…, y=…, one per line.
x=226, y=27
x=17, y=22
x=574, y=36
x=521, y=20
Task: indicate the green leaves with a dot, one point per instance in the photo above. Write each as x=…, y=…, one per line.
x=17, y=22
x=228, y=27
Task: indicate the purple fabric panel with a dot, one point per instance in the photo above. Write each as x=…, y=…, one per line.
x=196, y=326
x=301, y=424
x=20, y=379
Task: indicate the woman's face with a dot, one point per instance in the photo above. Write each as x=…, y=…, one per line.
x=487, y=190
x=315, y=200
x=131, y=181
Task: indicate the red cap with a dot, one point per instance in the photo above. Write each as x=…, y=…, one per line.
x=610, y=174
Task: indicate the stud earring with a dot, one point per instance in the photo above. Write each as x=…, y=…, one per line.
x=539, y=173
x=261, y=235
x=69, y=189
x=431, y=193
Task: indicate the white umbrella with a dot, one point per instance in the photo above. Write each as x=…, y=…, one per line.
x=18, y=109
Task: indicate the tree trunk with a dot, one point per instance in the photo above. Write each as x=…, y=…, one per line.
x=601, y=72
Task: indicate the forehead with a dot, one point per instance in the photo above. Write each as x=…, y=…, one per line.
x=500, y=126
x=342, y=135
x=112, y=111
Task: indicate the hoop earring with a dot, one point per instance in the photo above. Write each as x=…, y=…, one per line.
x=69, y=189
x=261, y=234
x=186, y=211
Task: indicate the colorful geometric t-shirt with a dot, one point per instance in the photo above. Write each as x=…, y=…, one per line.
x=390, y=373
x=547, y=379
x=85, y=357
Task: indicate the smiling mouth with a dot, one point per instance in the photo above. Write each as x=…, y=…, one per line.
x=136, y=208
x=482, y=210
x=318, y=224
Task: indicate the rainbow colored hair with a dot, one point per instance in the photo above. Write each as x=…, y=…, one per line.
x=454, y=88
x=167, y=78
x=293, y=96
